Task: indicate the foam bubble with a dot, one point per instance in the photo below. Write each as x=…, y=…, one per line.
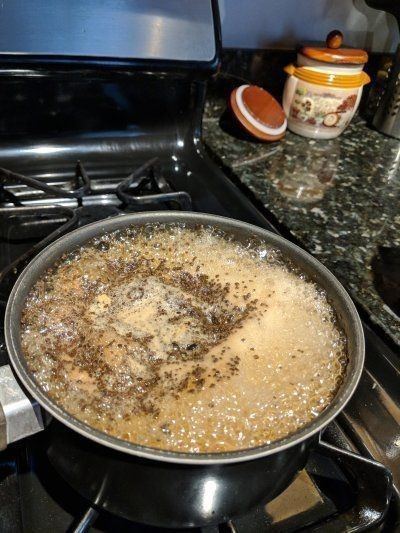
x=183, y=339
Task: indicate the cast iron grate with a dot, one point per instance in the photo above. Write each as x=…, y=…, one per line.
x=145, y=185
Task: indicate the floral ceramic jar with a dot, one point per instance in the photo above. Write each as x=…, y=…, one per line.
x=323, y=91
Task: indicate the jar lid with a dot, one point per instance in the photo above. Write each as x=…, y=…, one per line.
x=333, y=53
x=258, y=112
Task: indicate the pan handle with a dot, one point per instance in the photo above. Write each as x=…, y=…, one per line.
x=20, y=416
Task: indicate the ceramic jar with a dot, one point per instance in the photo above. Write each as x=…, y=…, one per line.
x=323, y=90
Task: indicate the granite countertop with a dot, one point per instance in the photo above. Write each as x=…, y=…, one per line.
x=339, y=198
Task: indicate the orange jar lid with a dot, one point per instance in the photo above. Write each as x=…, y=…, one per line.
x=333, y=53
x=258, y=112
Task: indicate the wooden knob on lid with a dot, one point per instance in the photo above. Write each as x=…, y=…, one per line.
x=332, y=51
x=334, y=39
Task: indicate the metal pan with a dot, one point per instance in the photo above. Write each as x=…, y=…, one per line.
x=190, y=489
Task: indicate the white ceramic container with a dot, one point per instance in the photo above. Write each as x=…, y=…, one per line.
x=320, y=97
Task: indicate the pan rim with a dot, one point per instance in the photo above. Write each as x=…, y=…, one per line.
x=24, y=283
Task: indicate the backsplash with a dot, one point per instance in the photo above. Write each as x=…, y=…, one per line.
x=283, y=23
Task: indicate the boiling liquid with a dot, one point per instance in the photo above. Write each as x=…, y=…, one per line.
x=183, y=340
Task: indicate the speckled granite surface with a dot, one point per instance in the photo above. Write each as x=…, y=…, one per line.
x=339, y=198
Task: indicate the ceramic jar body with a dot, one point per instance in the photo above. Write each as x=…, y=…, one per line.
x=318, y=112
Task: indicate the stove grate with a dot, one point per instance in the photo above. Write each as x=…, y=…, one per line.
x=145, y=185
x=150, y=173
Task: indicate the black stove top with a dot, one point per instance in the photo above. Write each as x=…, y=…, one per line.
x=338, y=490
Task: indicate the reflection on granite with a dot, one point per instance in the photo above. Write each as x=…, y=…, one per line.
x=340, y=198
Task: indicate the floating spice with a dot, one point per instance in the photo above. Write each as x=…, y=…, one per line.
x=161, y=335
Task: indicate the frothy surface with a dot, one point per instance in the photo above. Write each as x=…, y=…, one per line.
x=183, y=340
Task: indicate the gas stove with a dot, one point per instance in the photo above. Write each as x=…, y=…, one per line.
x=90, y=134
